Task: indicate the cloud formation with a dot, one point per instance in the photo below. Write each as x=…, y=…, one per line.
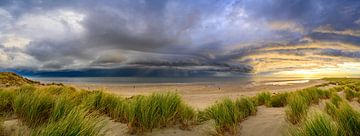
x=212, y=37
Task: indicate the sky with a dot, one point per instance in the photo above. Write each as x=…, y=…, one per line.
x=308, y=38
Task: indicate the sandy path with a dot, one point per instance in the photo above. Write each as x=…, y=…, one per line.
x=267, y=122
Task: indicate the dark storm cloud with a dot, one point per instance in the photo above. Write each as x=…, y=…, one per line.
x=340, y=53
x=205, y=35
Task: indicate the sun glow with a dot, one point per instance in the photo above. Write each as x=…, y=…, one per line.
x=349, y=69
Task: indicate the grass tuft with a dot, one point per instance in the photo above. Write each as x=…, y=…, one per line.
x=296, y=108
x=317, y=124
x=263, y=98
x=6, y=102
x=225, y=114
x=350, y=94
x=157, y=110
x=32, y=108
x=278, y=100
x=76, y=123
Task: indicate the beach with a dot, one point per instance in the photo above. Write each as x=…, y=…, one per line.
x=200, y=95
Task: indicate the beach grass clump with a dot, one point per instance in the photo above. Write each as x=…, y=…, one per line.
x=278, y=100
x=78, y=122
x=350, y=94
x=63, y=105
x=6, y=102
x=33, y=108
x=348, y=119
x=317, y=124
x=155, y=111
x=58, y=90
x=314, y=94
x=227, y=113
x=103, y=102
x=2, y=133
x=226, y=116
x=296, y=108
x=187, y=115
x=26, y=89
x=114, y=106
x=263, y=98
x=246, y=107
x=336, y=99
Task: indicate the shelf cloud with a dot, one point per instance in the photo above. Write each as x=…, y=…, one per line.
x=204, y=37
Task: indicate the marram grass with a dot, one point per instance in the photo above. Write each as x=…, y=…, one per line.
x=296, y=108
x=263, y=98
x=143, y=113
x=278, y=100
x=6, y=102
x=33, y=109
x=157, y=110
x=227, y=113
x=350, y=94
x=317, y=124
x=77, y=122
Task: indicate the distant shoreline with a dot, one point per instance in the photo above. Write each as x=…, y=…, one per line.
x=199, y=95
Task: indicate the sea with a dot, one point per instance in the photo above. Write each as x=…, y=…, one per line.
x=172, y=80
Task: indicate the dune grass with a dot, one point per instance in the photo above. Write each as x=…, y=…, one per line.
x=157, y=110
x=62, y=107
x=6, y=102
x=347, y=118
x=77, y=122
x=2, y=133
x=317, y=124
x=227, y=113
x=296, y=108
x=263, y=98
x=278, y=100
x=350, y=94
x=33, y=108
x=246, y=107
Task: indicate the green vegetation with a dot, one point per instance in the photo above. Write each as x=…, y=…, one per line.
x=11, y=79
x=61, y=110
x=296, y=108
x=317, y=124
x=278, y=100
x=350, y=94
x=6, y=102
x=2, y=133
x=263, y=98
x=33, y=108
x=76, y=122
x=227, y=113
x=157, y=110
x=347, y=118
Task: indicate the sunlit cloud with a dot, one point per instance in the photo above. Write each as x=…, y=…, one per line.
x=230, y=37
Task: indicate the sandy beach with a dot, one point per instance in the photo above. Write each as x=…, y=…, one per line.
x=199, y=95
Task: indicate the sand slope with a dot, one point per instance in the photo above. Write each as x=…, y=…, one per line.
x=267, y=122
